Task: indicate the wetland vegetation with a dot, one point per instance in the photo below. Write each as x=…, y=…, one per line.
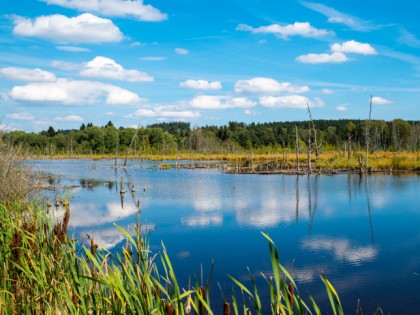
x=46, y=271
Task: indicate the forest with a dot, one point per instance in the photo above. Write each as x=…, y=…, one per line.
x=236, y=137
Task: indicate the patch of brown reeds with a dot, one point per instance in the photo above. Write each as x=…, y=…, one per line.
x=16, y=181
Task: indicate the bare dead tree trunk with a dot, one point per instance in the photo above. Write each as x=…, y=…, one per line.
x=349, y=147
x=367, y=134
x=316, y=146
x=297, y=150
x=131, y=144
x=309, y=150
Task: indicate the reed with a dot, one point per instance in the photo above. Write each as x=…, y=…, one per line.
x=43, y=271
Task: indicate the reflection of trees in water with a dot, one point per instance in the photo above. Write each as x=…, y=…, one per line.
x=312, y=207
x=297, y=198
x=368, y=208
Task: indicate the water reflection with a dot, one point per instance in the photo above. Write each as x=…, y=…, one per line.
x=344, y=225
x=341, y=249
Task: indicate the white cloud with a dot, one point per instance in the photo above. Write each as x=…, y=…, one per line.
x=72, y=49
x=327, y=91
x=201, y=85
x=21, y=116
x=74, y=92
x=102, y=67
x=335, y=16
x=85, y=28
x=24, y=74
x=267, y=85
x=380, y=101
x=354, y=47
x=115, y=8
x=341, y=108
x=64, y=65
x=290, y=101
x=136, y=44
x=69, y=118
x=186, y=114
x=179, y=114
x=220, y=102
x=336, y=57
x=304, y=29
x=153, y=58
x=181, y=51
x=251, y=112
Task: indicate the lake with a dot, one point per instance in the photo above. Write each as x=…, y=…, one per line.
x=363, y=232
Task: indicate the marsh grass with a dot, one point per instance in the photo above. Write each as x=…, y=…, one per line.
x=45, y=272
x=382, y=161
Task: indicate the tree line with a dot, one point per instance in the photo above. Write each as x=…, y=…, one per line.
x=235, y=137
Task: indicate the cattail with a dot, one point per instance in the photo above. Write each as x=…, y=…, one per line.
x=15, y=244
x=168, y=308
x=92, y=247
x=226, y=308
x=203, y=295
x=188, y=305
x=291, y=293
x=75, y=298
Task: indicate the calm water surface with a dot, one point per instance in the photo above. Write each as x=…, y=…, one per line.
x=364, y=233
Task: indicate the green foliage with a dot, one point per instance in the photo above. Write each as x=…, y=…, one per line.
x=45, y=272
x=169, y=137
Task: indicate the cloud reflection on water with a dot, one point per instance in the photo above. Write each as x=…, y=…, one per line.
x=342, y=249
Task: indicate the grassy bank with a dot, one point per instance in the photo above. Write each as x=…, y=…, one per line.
x=382, y=161
x=45, y=272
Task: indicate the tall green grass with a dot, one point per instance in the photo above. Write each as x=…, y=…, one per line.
x=43, y=271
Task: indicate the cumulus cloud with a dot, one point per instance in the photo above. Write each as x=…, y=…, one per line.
x=289, y=101
x=74, y=92
x=341, y=108
x=102, y=67
x=380, y=101
x=115, y=8
x=69, y=118
x=336, y=57
x=186, y=114
x=181, y=51
x=220, y=102
x=21, y=116
x=72, y=49
x=354, y=47
x=201, y=85
x=24, y=74
x=304, y=29
x=85, y=28
x=267, y=85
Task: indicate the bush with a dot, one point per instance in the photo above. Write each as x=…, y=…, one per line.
x=16, y=181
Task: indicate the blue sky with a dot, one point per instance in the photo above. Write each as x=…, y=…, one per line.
x=68, y=62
